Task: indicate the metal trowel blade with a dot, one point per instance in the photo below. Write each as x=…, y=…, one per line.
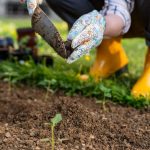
x=44, y=27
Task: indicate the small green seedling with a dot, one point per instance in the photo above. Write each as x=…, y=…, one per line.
x=54, y=122
x=47, y=92
x=106, y=92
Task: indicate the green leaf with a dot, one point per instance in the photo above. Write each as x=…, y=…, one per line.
x=108, y=95
x=56, y=119
x=104, y=89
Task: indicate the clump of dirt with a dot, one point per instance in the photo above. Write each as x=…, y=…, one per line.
x=24, y=114
x=68, y=47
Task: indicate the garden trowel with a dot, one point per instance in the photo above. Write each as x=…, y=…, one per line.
x=44, y=27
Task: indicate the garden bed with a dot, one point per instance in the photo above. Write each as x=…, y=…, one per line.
x=26, y=111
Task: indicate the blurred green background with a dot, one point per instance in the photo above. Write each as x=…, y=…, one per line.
x=63, y=76
x=135, y=48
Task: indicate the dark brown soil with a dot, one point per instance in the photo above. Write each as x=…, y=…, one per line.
x=68, y=47
x=24, y=114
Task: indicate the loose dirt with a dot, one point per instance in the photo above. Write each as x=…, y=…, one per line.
x=25, y=112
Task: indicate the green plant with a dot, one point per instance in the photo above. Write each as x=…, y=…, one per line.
x=54, y=122
x=9, y=85
x=47, y=91
x=107, y=93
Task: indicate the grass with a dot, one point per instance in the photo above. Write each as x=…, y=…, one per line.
x=65, y=77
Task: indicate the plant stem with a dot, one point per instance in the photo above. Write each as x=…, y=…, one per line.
x=46, y=95
x=47, y=92
x=9, y=83
x=53, y=138
x=104, y=104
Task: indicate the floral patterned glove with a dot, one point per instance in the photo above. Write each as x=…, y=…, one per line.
x=31, y=5
x=86, y=34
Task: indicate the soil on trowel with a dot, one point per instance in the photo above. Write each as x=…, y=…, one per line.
x=25, y=112
x=68, y=47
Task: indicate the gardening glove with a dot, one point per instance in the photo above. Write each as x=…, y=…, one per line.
x=31, y=5
x=86, y=34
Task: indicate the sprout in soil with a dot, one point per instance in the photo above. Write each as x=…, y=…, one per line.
x=106, y=93
x=54, y=122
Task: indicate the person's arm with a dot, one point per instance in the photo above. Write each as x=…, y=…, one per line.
x=114, y=26
x=89, y=30
x=117, y=18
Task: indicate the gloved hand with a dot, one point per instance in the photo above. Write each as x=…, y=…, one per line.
x=31, y=5
x=86, y=34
